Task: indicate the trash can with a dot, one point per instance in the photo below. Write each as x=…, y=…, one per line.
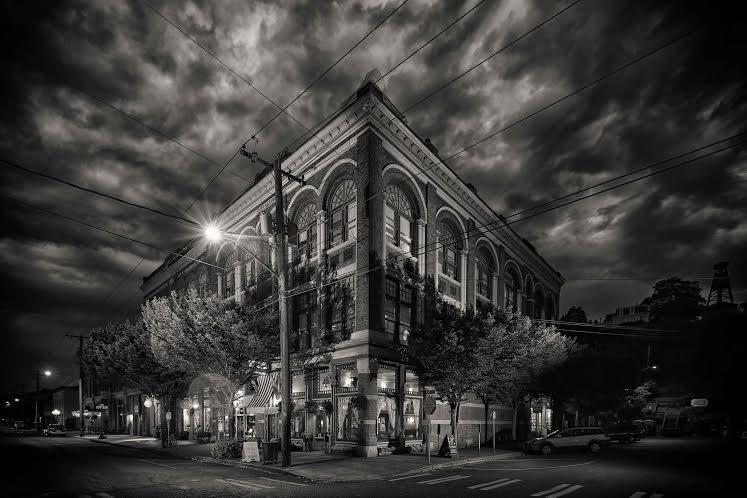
x=270, y=450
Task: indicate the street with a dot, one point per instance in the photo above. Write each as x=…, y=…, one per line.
x=650, y=468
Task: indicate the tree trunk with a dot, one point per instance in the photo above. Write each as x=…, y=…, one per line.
x=164, y=408
x=514, y=419
x=486, y=402
x=453, y=414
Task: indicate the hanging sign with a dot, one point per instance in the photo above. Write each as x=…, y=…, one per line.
x=168, y=415
x=699, y=403
x=250, y=452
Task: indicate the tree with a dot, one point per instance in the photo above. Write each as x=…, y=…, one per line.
x=204, y=336
x=121, y=352
x=519, y=351
x=675, y=302
x=575, y=314
x=446, y=352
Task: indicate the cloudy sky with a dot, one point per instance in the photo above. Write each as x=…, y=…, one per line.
x=62, y=59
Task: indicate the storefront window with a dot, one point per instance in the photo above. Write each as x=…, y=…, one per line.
x=348, y=422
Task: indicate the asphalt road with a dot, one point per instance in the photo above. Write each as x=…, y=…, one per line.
x=36, y=466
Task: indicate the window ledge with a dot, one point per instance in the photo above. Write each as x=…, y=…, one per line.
x=448, y=279
x=395, y=249
x=340, y=247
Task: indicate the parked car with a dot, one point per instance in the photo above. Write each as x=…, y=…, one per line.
x=55, y=430
x=623, y=433
x=19, y=424
x=590, y=438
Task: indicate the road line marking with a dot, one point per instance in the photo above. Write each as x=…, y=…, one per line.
x=284, y=482
x=157, y=463
x=638, y=494
x=241, y=485
x=444, y=479
x=551, y=490
x=511, y=469
x=236, y=481
x=657, y=495
x=566, y=491
x=487, y=483
x=410, y=477
x=512, y=481
x=104, y=495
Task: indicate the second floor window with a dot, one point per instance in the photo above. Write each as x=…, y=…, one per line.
x=342, y=213
x=399, y=217
x=305, y=318
x=250, y=275
x=229, y=283
x=399, y=309
x=306, y=239
x=511, y=292
x=484, y=275
x=341, y=308
x=202, y=284
x=449, y=252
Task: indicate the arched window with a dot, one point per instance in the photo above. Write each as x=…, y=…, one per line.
x=450, y=247
x=538, y=304
x=306, y=239
x=399, y=217
x=512, y=290
x=342, y=213
x=484, y=275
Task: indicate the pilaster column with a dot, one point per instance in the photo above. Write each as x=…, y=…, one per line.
x=238, y=288
x=496, y=298
x=368, y=369
x=220, y=284
x=421, y=246
x=463, y=279
x=321, y=231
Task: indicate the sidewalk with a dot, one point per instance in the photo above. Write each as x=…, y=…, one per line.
x=315, y=465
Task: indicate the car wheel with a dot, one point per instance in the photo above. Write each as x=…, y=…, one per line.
x=595, y=447
x=546, y=449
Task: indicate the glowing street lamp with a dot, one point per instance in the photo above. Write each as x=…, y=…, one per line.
x=212, y=233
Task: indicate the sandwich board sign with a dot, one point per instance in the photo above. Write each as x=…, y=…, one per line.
x=250, y=452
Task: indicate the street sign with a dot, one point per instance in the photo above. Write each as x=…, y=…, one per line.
x=699, y=403
x=168, y=415
x=429, y=405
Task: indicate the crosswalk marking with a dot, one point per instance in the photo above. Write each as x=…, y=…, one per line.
x=487, y=483
x=551, y=490
x=248, y=485
x=566, y=491
x=507, y=483
x=444, y=479
x=410, y=477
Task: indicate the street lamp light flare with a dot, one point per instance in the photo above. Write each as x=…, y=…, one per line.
x=212, y=233
x=47, y=373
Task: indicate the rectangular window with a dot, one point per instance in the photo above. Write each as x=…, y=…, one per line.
x=306, y=318
x=352, y=216
x=399, y=307
x=449, y=263
x=391, y=227
x=405, y=235
x=390, y=306
x=250, y=277
x=341, y=310
x=229, y=284
x=337, y=224
x=484, y=283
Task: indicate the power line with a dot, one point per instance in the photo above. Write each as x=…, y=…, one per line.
x=156, y=131
x=211, y=54
x=96, y=192
x=110, y=232
x=318, y=78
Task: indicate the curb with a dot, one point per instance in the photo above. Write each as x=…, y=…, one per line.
x=454, y=463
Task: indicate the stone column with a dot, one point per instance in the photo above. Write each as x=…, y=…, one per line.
x=321, y=232
x=495, y=283
x=399, y=423
x=464, y=280
x=501, y=282
x=420, y=224
x=220, y=284
x=238, y=288
x=367, y=373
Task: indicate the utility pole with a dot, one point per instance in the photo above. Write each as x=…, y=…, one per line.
x=36, y=400
x=80, y=379
x=282, y=260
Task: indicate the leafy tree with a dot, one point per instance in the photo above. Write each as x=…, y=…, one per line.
x=518, y=352
x=575, y=314
x=121, y=353
x=675, y=302
x=202, y=335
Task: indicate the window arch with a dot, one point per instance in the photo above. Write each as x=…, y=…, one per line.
x=484, y=273
x=450, y=247
x=307, y=234
x=342, y=213
x=512, y=286
x=399, y=217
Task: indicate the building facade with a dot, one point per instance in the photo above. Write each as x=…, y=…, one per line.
x=378, y=206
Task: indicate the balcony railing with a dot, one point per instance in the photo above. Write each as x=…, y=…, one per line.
x=387, y=390
x=348, y=389
x=298, y=394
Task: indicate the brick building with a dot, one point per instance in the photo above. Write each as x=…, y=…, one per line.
x=378, y=204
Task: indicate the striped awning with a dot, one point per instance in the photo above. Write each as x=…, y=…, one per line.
x=265, y=388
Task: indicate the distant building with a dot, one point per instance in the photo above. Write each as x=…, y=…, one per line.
x=630, y=314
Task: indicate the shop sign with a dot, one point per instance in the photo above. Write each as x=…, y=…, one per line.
x=168, y=415
x=250, y=452
x=699, y=403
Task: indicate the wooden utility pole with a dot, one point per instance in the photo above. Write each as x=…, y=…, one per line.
x=281, y=259
x=80, y=379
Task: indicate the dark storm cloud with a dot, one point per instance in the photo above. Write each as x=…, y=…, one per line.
x=59, y=274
